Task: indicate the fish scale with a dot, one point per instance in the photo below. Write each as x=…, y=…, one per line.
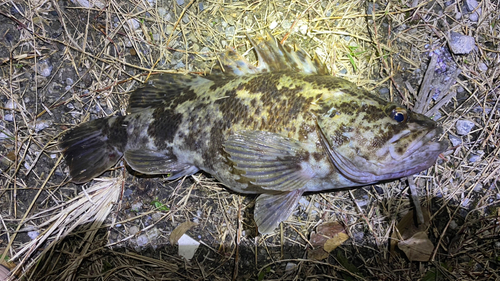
x=278, y=129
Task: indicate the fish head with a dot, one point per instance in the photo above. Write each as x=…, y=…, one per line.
x=379, y=141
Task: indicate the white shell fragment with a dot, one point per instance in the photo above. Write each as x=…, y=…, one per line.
x=187, y=247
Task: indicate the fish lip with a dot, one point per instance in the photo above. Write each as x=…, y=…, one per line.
x=425, y=141
x=351, y=171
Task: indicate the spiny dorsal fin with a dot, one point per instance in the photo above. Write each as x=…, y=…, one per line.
x=272, y=57
x=162, y=90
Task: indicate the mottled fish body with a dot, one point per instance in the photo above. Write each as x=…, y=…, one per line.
x=280, y=129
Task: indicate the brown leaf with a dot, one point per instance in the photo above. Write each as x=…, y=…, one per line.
x=317, y=254
x=180, y=230
x=335, y=241
x=407, y=227
x=418, y=247
x=324, y=232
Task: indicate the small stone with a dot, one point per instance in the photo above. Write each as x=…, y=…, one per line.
x=128, y=192
x=482, y=66
x=201, y=7
x=33, y=234
x=303, y=29
x=156, y=216
x=162, y=12
x=290, y=266
x=43, y=68
x=195, y=47
x=476, y=156
x=167, y=17
x=142, y=240
x=179, y=65
x=384, y=91
x=169, y=29
x=230, y=31
x=136, y=207
x=286, y=24
x=40, y=125
x=156, y=37
x=453, y=224
x=8, y=117
x=273, y=25
x=3, y=136
x=133, y=230
x=461, y=44
x=464, y=127
x=455, y=141
x=370, y=8
x=180, y=2
x=303, y=203
x=69, y=81
x=185, y=18
x=472, y=7
x=133, y=24
x=187, y=247
x=10, y=104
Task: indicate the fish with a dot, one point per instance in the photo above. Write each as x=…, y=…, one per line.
x=280, y=128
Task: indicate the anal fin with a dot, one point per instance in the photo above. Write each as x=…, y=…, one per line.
x=151, y=162
x=271, y=209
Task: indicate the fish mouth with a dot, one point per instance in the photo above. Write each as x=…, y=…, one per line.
x=419, y=156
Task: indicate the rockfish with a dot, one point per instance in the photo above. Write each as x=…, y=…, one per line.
x=278, y=129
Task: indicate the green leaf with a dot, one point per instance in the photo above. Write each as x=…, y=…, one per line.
x=160, y=206
x=263, y=273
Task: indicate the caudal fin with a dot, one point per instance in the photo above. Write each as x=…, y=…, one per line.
x=93, y=147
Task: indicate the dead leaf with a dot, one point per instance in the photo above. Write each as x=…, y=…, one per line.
x=324, y=232
x=418, y=247
x=317, y=254
x=335, y=241
x=407, y=227
x=325, y=239
x=180, y=230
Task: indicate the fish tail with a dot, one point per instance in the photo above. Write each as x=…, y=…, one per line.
x=93, y=147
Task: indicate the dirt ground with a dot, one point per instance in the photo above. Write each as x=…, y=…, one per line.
x=67, y=62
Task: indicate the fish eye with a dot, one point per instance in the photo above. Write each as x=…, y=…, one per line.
x=399, y=114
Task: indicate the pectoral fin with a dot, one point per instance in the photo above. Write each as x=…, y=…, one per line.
x=154, y=163
x=269, y=160
x=271, y=209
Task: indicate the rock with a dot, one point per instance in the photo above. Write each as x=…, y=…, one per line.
x=33, y=234
x=461, y=44
x=464, y=127
x=476, y=156
x=187, y=247
x=303, y=29
x=40, y=125
x=44, y=68
x=482, y=66
x=230, y=31
x=455, y=141
x=136, y=207
x=133, y=24
x=90, y=4
x=10, y=104
x=133, y=230
x=273, y=25
x=8, y=117
x=471, y=6
x=162, y=12
x=142, y=240
x=180, y=2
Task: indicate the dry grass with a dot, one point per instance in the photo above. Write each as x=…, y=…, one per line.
x=98, y=54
